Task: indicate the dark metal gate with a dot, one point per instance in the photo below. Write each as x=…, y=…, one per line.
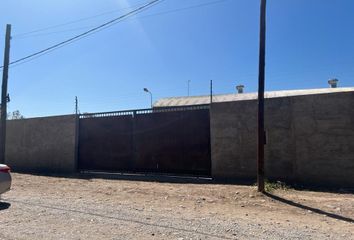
x=171, y=140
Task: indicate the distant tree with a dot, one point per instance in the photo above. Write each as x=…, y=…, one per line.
x=15, y=115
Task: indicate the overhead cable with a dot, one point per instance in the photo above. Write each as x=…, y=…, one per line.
x=86, y=33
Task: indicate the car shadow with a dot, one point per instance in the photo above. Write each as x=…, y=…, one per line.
x=4, y=205
x=315, y=210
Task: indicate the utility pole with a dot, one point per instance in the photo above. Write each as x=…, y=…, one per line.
x=189, y=81
x=76, y=105
x=261, y=77
x=211, y=91
x=4, y=95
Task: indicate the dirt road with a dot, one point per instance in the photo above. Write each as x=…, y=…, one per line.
x=40, y=207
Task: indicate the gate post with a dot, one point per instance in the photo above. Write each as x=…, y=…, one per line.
x=77, y=131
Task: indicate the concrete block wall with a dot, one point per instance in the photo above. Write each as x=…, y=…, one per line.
x=45, y=145
x=324, y=138
x=310, y=139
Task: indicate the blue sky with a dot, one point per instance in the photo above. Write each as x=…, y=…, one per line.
x=308, y=42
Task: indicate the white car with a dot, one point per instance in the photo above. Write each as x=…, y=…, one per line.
x=5, y=178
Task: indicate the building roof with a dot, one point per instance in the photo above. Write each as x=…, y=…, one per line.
x=200, y=100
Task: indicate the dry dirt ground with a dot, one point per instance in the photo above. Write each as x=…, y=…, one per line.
x=40, y=207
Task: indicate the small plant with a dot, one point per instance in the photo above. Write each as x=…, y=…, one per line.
x=271, y=186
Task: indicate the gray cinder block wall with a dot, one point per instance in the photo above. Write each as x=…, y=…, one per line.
x=310, y=139
x=42, y=144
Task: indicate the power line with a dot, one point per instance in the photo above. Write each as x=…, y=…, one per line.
x=75, y=21
x=185, y=8
x=145, y=16
x=87, y=33
x=50, y=33
x=62, y=44
x=69, y=41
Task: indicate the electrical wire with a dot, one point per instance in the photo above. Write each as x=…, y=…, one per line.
x=24, y=34
x=145, y=16
x=103, y=26
x=87, y=33
x=51, y=33
x=184, y=9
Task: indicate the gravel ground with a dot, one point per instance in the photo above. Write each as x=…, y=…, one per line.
x=40, y=207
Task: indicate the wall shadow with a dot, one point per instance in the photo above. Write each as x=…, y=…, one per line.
x=315, y=210
x=4, y=205
x=180, y=178
x=143, y=177
x=320, y=188
x=150, y=177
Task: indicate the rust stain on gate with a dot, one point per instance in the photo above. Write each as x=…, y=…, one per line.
x=173, y=140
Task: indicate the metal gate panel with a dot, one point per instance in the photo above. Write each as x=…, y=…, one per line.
x=106, y=144
x=174, y=142
x=164, y=141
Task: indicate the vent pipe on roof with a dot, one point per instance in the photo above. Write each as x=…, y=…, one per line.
x=240, y=88
x=333, y=82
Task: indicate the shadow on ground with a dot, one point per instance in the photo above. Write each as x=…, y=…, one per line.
x=144, y=177
x=315, y=210
x=187, y=179
x=4, y=205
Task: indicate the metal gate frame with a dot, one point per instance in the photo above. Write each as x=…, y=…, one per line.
x=135, y=115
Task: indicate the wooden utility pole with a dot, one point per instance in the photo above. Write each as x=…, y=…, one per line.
x=261, y=77
x=4, y=95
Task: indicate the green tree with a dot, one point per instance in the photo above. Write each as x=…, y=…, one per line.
x=15, y=115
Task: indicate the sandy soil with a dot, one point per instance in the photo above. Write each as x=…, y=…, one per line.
x=40, y=207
